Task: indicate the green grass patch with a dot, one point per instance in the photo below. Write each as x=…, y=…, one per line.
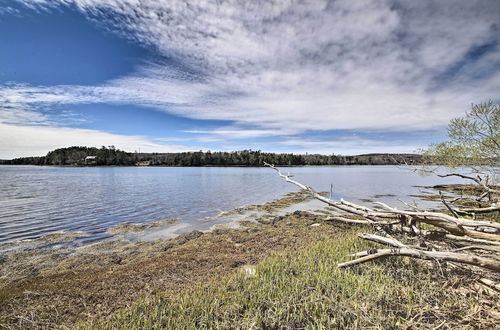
x=305, y=289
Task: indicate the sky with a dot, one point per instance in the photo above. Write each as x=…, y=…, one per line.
x=330, y=77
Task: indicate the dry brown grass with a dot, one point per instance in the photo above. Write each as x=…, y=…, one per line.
x=93, y=286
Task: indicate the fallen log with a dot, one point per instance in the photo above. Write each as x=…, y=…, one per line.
x=455, y=226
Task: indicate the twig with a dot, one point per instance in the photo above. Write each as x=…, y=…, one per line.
x=447, y=206
x=486, y=248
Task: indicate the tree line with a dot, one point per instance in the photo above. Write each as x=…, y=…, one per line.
x=110, y=156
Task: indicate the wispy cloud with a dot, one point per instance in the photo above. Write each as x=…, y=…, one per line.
x=349, y=145
x=8, y=10
x=288, y=67
x=21, y=141
x=239, y=132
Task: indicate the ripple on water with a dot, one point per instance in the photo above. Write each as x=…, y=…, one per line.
x=35, y=201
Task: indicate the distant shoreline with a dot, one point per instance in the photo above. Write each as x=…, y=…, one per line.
x=88, y=157
x=193, y=166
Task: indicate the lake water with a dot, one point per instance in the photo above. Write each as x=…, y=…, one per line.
x=35, y=201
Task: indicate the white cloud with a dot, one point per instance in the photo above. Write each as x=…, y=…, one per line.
x=349, y=145
x=21, y=141
x=286, y=67
x=236, y=132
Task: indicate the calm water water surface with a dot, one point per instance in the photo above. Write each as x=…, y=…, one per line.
x=35, y=201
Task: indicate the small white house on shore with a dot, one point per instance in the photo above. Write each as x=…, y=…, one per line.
x=90, y=159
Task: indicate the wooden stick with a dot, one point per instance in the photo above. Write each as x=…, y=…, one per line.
x=469, y=239
x=346, y=220
x=370, y=217
x=382, y=240
x=452, y=211
x=362, y=222
x=478, y=247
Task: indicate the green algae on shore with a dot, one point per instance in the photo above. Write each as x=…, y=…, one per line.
x=271, y=206
x=138, y=227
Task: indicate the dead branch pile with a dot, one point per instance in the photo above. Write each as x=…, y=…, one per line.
x=454, y=229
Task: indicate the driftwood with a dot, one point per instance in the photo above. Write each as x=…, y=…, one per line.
x=391, y=220
x=489, y=209
x=465, y=239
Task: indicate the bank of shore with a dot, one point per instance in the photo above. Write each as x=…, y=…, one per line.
x=277, y=272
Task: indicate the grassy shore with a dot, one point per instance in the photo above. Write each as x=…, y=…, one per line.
x=304, y=289
x=278, y=273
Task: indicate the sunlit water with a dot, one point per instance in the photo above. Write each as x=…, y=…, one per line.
x=35, y=201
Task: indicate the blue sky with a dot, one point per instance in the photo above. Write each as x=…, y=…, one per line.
x=343, y=77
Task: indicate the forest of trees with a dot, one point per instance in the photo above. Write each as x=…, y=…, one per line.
x=110, y=156
x=76, y=156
